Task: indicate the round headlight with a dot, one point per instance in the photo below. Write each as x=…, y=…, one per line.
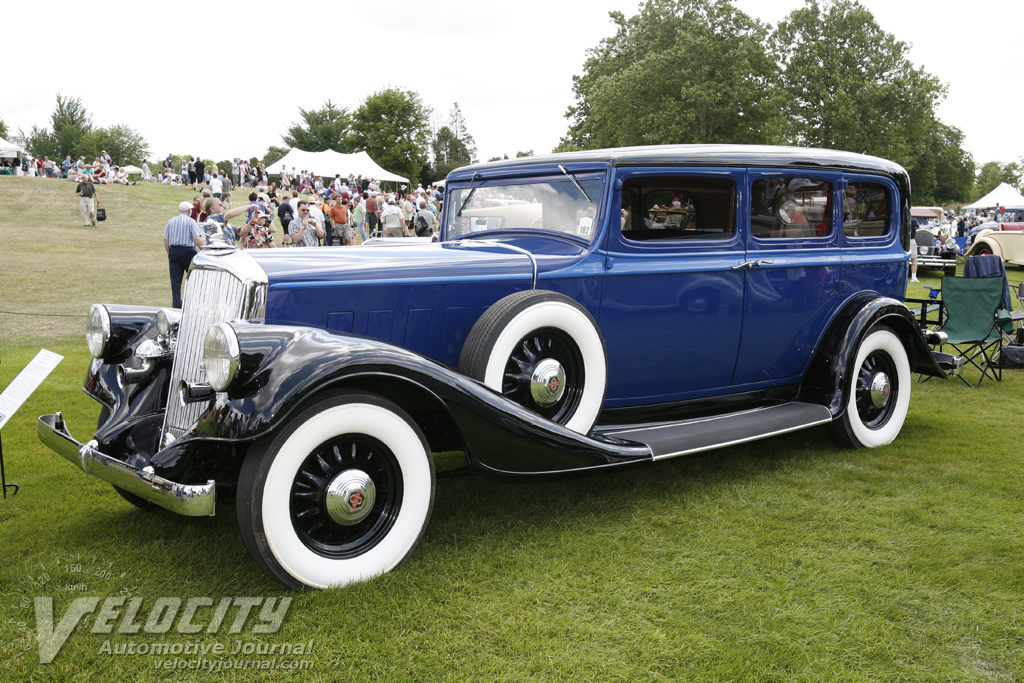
x=97, y=334
x=922, y=250
x=950, y=243
x=221, y=356
x=167, y=321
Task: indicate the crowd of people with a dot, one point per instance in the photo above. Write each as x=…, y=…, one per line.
x=99, y=172
x=307, y=213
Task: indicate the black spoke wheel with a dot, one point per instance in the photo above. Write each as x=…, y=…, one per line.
x=877, y=393
x=313, y=523
x=340, y=492
x=542, y=350
x=876, y=365
x=545, y=373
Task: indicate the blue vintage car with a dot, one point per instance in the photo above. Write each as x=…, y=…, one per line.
x=584, y=310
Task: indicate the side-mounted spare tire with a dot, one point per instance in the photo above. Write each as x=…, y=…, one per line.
x=542, y=350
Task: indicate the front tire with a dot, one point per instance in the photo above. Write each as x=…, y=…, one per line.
x=543, y=351
x=878, y=393
x=341, y=493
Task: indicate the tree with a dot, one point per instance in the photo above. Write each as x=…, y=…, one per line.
x=680, y=71
x=391, y=126
x=459, y=129
x=321, y=129
x=3, y=129
x=943, y=173
x=123, y=143
x=849, y=85
x=992, y=174
x=527, y=153
x=69, y=123
x=273, y=155
x=41, y=142
x=451, y=146
x=449, y=153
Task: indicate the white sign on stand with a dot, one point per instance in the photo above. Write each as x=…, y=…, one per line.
x=26, y=382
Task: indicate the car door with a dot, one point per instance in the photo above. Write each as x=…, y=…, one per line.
x=873, y=258
x=793, y=269
x=672, y=300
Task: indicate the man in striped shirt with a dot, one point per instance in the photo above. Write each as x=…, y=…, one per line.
x=181, y=239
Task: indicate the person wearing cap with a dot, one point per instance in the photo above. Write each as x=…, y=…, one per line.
x=393, y=221
x=87, y=193
x=358, y=217
x=316, y=215
x=181, y=239
x=256, y=234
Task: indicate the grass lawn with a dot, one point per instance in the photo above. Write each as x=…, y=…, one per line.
x=783, y=560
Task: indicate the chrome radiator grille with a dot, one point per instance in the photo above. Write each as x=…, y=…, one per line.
x=211, y=296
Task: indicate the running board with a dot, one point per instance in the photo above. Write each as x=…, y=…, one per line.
x=671, y=439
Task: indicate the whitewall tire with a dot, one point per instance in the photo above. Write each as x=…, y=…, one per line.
x=542, y=350
x=878, y=392
x=341, y=493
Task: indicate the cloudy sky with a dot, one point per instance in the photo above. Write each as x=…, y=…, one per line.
x=225, y=79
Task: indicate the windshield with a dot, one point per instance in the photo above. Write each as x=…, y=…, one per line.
x=555, y=205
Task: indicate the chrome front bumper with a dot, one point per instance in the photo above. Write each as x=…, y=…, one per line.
x=192, y=500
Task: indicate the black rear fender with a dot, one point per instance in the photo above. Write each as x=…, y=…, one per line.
x=832, y=362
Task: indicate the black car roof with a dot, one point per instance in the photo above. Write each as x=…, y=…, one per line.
x=709, y=155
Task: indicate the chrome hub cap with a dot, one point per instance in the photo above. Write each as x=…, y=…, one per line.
x=350, y=497
x=880, y=389
x=547, y=384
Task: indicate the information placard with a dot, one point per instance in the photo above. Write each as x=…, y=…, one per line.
x=26, y=382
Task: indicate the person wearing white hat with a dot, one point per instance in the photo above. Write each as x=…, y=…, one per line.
x=393, y=221
x=181, y=239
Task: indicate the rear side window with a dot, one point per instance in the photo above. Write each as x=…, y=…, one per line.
x=678, y=208
x=791, y=206
x=867, y=210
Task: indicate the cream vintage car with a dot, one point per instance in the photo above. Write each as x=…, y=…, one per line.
x=1006, y=244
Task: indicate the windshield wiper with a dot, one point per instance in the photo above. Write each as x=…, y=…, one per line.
x=574, y=182
x=468, y=197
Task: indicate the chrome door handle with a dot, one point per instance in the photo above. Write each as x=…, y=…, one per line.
x=752, y=264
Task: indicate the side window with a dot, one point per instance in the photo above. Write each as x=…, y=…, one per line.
x=791, y=206
x=866, y=213
x=678, y=208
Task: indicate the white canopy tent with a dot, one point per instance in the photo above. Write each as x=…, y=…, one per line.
x=9, y=149
x=327, y=164
x=1004, y=195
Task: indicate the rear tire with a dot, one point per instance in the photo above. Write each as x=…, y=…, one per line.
x=865, y=423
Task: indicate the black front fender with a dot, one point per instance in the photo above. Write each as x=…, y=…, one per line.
x=282, y=367
x=832, y=363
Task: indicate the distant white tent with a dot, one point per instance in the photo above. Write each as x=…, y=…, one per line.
x=9, y=149
x=1004, y=195
x=131, y=169
x=327, y=164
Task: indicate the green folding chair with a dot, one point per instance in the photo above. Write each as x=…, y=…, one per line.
x=974, y=316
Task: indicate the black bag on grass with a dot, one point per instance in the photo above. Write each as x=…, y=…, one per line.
x=1012, y=356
